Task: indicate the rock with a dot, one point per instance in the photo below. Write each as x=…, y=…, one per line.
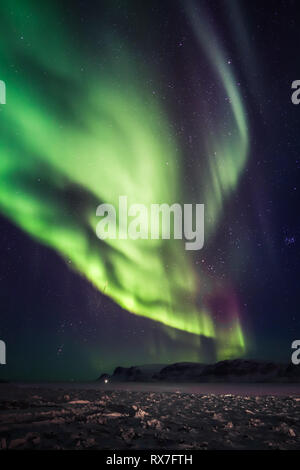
x=218, y=417
x=90, y=442
x=113, y=415
x=17, y=443
x=141, y=414
x=3, y=444
x=127, y=434
x=36, y=440
x=154, y=423
x=292, y=432
x=255, y=422
x=229, y=425
x=79, y=402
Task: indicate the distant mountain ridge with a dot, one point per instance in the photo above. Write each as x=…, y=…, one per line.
x=237, y=370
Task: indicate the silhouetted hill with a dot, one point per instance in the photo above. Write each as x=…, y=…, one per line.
x=237, y=370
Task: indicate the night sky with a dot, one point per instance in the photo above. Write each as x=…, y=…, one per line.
x=163, y=101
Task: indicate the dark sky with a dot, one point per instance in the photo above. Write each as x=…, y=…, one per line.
x=56, y=325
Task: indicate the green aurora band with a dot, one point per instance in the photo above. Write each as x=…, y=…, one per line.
x=74, y=135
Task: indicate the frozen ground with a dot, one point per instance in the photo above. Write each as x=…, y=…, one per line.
x=154, y=416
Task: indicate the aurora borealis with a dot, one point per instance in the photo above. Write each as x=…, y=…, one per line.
x=109, y=100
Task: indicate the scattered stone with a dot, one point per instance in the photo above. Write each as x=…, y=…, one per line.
x=218, y=417
x=17, y=443
x=292, y=432
x=79, y=402
x=229, y=425
x=3, y=444
x=141, y=414
x=127, y=434
x=90, y=442
x=113, y=415
x=36, y=440
x=154, y=423
x=54, y=419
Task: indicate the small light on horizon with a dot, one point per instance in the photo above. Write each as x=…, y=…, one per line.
x=106, y=381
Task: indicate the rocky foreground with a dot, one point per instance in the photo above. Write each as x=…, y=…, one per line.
x=99, y=419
